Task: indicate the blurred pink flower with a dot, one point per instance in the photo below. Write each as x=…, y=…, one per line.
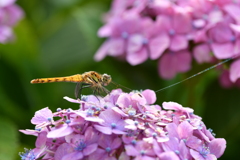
x=174, y=62
x=10, y=14
x=137, y=129
x=138, y=30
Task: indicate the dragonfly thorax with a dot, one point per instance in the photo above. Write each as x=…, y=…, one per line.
x=106, y=79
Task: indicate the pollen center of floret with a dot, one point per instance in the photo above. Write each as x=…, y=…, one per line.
x=134, y=142
x=142, y=152
x=29, y=154
x=90, y=112
x=38, y=129
x=108, y=149
x=171, y=32
x=154, y=135
x=204, y=152
x=132, y=112
x=184, y=140
x=80, y=146
x=233, y=39
x=177, y=151
x=113, y=125
x=135, y=123
x=84, y=98
x=209, y=41
x=145, y=41
x=124, y=35
x=205, y=16
x=49, y=119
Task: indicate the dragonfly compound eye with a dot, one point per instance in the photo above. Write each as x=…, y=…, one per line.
x=106, y=79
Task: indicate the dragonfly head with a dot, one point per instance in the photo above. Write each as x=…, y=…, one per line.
x=106, y=79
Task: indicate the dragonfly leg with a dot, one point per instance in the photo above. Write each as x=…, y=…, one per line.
x=79, y=87
x=96, y=92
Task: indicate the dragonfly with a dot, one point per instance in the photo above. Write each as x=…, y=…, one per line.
x=98, y=81
x=90, y=79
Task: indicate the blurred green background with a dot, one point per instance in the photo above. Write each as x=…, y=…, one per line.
x=59, y=38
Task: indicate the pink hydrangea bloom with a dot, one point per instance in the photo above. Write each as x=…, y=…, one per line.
x=137, y=30
x=10, y=14
x=127, y=126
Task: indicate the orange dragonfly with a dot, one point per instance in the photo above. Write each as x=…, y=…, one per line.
x=90, y=79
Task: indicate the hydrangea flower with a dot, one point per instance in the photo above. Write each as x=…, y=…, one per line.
x=126, y=126
x=206, y=30
x=10, y=14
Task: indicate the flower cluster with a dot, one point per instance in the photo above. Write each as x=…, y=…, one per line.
x=172, y=32
x=122, y=126
x=10, y=14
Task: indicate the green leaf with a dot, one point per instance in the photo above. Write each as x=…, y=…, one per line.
x=8, y=139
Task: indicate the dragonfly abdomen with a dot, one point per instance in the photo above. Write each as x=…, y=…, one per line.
x=75, y=78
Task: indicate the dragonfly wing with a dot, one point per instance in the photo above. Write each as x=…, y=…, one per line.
x=79, y=87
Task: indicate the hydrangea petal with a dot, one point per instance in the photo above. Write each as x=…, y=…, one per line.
x=193, y=142
x=221, y=33
x=217, y=146
x=105, y=130
x=222, y=51
x=235, y=71
x=224, y=79
x=30, y=132
x=13, y=14
x=176, y=106
x=184, y=151
x=202, y=53
x=4, y=3
x=63, y=150
x=64, y=130
x=6, y=34
x=41, y=140
x=158, y=45
x=116, y=47
x=42, y=116
x=123, y=101
x=135, y=43
x=184, y=59
x=90, y=149
x=171, y=144
x=102, y=51
x=130, y=150
x=150, y=96
x=165, y=67
x=235, y=27
x=170, y=155
x=172, y=130
x=180, y=18
x=178, y=42
x=73, y=155
x=105, y=30
x=236, y=48
x=185, y=129
x=72, y=100
x=234, y=11
x=196, y=155
x=138, y=57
